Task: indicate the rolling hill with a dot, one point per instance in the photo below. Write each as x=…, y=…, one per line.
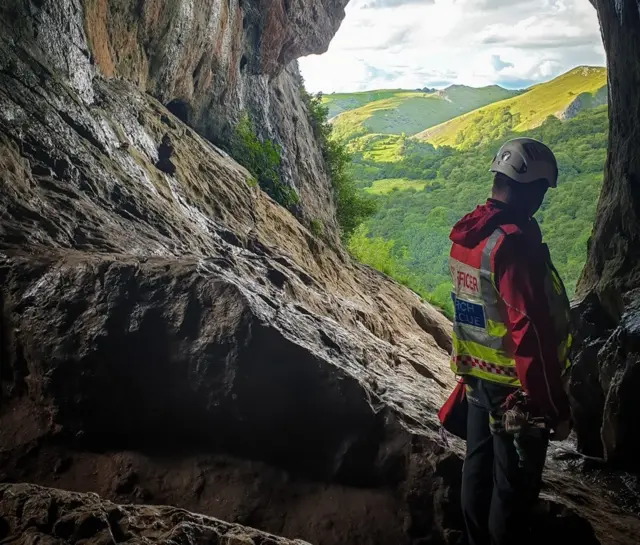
x=563, y=97
x=408, y=112
x=341, y=102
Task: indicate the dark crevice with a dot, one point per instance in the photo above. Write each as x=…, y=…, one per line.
x=435, y=330
x=5, y=529
x=181, y=109
x=277, y=277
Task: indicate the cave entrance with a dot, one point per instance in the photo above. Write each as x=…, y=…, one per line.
x=181, y=109
x=389, y=75
x=424, y=93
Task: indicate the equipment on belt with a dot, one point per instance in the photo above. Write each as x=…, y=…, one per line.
x=516, y=418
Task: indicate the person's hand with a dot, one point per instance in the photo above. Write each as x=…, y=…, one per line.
x=561, y=431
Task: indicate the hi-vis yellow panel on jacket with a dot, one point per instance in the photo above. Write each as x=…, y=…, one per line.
x=482, y=345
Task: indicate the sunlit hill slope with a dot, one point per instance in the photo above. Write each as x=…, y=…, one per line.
x=408, y=112
x=563, y=97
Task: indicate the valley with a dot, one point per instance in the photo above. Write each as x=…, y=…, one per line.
x=423, y=184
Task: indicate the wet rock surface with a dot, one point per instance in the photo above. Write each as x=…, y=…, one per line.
x=32, y=514
x=156, y=303
x=605, y=380
x=208, y=61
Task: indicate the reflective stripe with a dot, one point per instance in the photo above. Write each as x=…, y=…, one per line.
x=480, y=336
x=465, y=365
x=485, y=262
x=469, y=348
x=489, y=290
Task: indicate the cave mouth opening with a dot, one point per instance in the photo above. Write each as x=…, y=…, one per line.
x=383, y=46
x=181, y=109
x=599, y=250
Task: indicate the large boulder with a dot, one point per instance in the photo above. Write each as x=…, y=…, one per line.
x=197, y=351
x=605, y=380
x=32, y=514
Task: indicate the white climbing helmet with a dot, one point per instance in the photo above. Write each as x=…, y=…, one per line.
x=526, y=160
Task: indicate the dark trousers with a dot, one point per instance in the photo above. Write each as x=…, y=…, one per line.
x=498, y=490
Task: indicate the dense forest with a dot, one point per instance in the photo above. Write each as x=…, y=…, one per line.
x=421, y=191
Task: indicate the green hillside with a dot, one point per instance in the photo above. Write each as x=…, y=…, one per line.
x=408, y=112
x=422, y=190
x=341, y=102
x=562, y=97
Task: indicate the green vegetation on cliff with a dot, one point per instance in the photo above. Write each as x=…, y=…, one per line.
x=262, y=159
x=352, y=206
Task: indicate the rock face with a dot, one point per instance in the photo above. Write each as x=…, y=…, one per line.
x=605, y=380
x=86, y=196
x=612, y=265
x=185, y=315
x=206, y=60
x=32, y=514
x=584, y=101
x=170, y=335
x=197, y=351
x=605, y=376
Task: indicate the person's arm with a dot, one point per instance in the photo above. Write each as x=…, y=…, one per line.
x=521, y=286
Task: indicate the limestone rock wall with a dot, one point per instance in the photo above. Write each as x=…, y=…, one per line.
x=605, y=377
x=154, y=302
x=207, y=60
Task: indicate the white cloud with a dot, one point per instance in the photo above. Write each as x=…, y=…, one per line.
x=498, y=64
x=434, y=43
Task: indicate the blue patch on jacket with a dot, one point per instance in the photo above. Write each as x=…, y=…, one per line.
x=468, y=313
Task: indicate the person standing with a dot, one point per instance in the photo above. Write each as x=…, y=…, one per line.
x=510, y=343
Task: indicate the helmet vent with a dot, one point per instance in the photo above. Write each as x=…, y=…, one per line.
x=532, y=151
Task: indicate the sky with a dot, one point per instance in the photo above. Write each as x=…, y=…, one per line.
x=409, y=44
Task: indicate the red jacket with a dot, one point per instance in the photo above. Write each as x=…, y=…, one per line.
x=520, y=266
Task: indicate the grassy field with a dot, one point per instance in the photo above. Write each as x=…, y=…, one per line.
x=382, y=187
x=520, y=113
x=421, y=191
x=381, y=148
x=409, y=112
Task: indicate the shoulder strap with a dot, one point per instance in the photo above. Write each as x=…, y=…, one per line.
x=487, y=252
